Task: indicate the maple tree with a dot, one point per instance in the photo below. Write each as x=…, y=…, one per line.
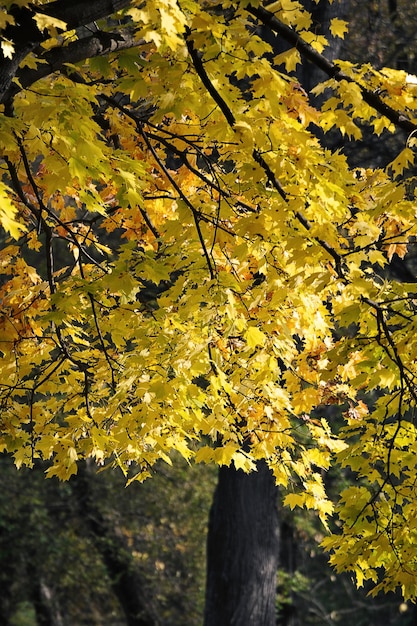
x=186, y=267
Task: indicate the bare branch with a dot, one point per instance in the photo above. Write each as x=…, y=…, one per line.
x=79, y=12
x=53, y=60
x=25, y=34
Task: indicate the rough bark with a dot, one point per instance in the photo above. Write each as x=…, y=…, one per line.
x=243, y=550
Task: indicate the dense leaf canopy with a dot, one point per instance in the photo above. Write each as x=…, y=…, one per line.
x=186, y=266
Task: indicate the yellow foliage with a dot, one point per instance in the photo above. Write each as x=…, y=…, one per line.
x=193, y=272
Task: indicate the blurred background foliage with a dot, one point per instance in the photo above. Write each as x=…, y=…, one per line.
x=54, y=538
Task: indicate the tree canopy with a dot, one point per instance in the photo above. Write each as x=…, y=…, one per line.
x=187, y=267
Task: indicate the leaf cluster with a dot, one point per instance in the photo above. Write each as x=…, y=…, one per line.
x=204, y=273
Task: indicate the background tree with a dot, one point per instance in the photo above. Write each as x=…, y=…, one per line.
x=54, y=549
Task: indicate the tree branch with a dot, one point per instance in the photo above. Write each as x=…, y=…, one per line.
x=25, y=35
x=184, y=198
x=228, y=114
x=79, y=12
x=99, y=44
x=331, y=69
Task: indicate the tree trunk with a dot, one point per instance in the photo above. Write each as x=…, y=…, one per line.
x=322, y=13
x=243, y=550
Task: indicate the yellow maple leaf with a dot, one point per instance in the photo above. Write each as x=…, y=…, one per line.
x=294, y=499
x=49, y=23
x=401, y=162
x=243, y=462
x=5, y=19
x=8, y=215
x=291, y=58
x=7, y=48
x=338, y=28
x=254, y=337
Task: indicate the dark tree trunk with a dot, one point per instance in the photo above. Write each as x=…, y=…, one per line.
x=243, y=550
x=322, y=13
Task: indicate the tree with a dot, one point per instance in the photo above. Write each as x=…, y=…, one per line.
x=243, y=549
x=187, y=268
